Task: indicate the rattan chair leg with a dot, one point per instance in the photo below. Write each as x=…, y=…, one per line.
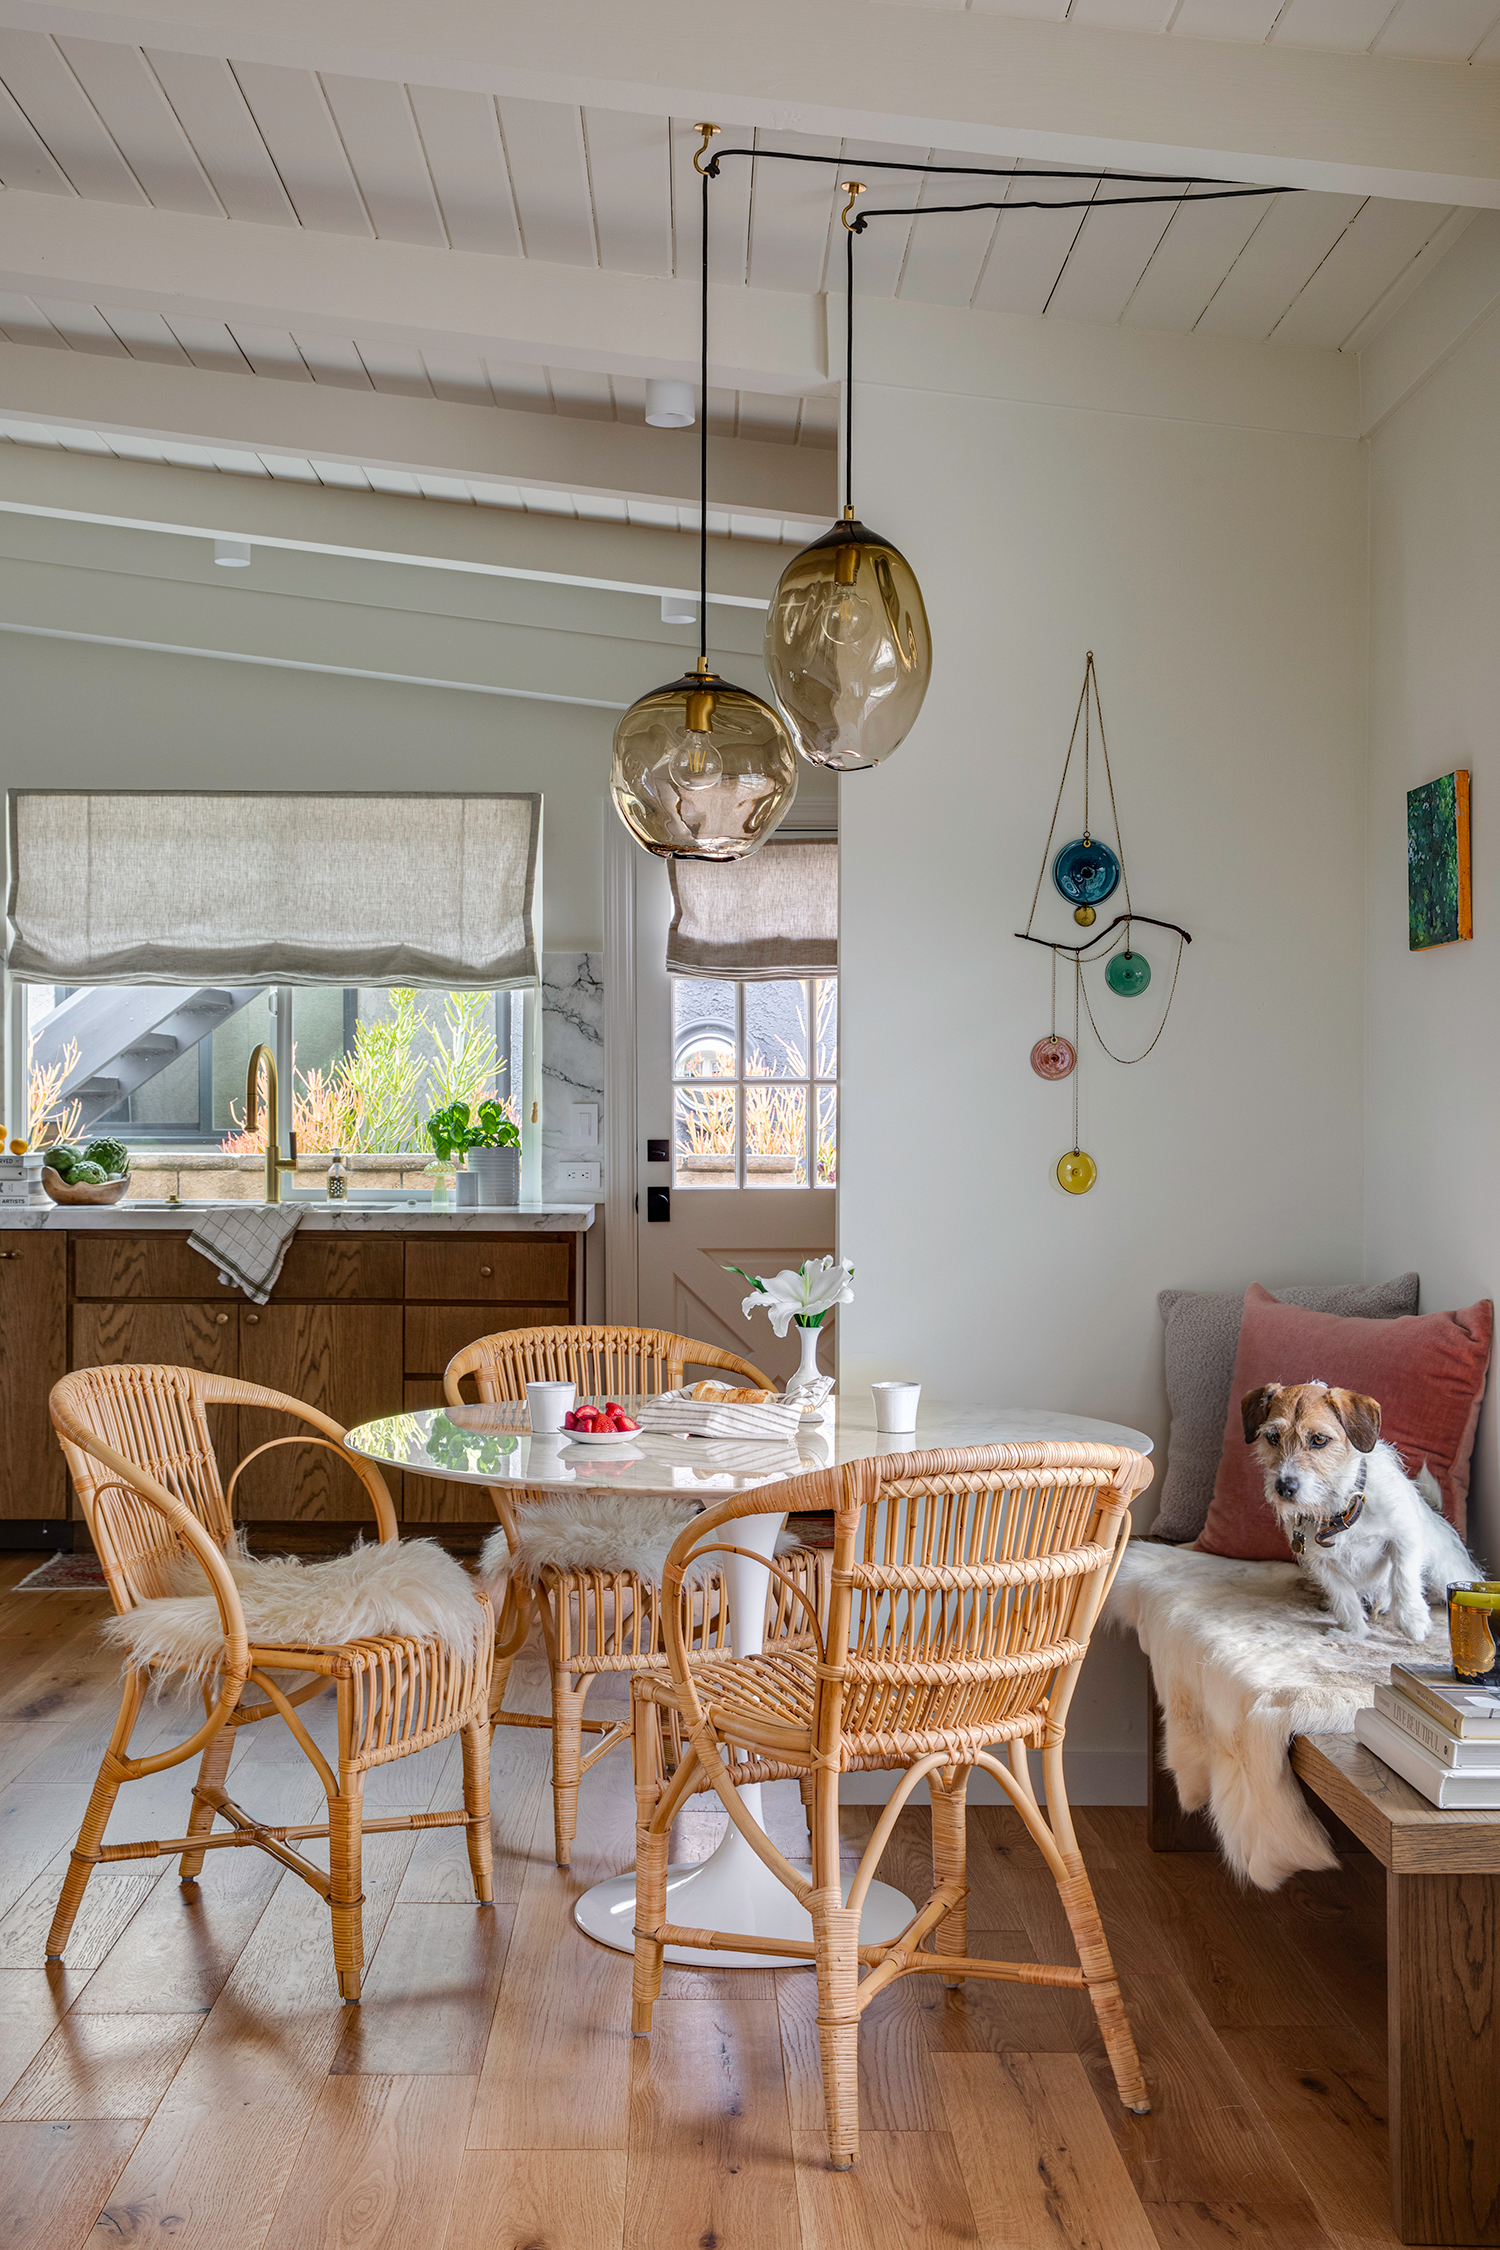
x=836, y=1943
x=212, y=1769
x=96, y=1817
x=1103, y=1987
x=567, y=1759
x=346, y=1896
x=476, y=1755
x=650, y=1868
x=949, y=1814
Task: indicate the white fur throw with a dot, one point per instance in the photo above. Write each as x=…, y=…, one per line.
x=410, y=1587
x=599, y=1531
x=1243, y=1659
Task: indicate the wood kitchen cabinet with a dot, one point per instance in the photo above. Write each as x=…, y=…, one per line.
x=358, y=1324
x=33, y=1354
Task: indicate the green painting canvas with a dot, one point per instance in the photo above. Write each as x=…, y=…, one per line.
x=1437, y=863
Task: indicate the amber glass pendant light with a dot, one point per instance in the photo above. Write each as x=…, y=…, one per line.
x=848, y=646
x=702, y=769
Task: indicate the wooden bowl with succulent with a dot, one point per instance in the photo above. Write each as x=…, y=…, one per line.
x=99, y=1172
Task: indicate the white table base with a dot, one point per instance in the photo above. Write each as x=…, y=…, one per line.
x=733, y=1889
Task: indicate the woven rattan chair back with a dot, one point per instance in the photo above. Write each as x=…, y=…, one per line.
x=964, y=1588
x=158, y=1418
x=603, y=1362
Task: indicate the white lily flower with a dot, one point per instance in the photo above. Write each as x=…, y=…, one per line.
x=803, y=1295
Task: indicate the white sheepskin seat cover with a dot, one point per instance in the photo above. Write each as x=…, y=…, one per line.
x=1244, y=1658
x=410, y=1587
x=599, y=1531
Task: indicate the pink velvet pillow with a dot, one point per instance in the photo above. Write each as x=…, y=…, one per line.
x=1427, y=1370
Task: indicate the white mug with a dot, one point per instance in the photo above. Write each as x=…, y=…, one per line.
x=895, y=1406
x=548, y=1404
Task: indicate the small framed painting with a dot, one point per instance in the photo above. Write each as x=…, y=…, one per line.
x=1438, y=905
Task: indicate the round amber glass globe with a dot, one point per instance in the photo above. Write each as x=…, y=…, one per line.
x=1076, y=1171
x=848, y=648
x=702, y=769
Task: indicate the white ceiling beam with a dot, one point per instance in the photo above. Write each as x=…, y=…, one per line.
x=68, y=390
x=948, y=77
x=333, y=285
x=429, y=535
x=248, y=626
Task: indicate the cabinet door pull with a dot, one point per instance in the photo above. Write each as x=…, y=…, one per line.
x=222, y=1318
x=251, y=1318
x=12, y=1253
x=485, y=1270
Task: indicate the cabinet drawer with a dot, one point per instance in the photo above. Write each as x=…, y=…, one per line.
x=338, y=1267
x=435, y=1332
x=507, y=1269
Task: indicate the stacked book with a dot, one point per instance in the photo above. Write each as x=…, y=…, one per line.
x=20, y=1180
x=1442, y=1737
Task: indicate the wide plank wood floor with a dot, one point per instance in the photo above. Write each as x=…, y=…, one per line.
x=190, y=2075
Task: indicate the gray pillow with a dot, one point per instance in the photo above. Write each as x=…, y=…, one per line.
x=1203, y=1333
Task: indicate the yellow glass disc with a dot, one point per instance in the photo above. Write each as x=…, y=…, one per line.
x=1083, y=914
x=1076, y=1172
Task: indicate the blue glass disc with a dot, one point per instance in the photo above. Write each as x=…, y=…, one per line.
x=1085, y=873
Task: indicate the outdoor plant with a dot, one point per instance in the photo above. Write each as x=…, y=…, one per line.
x=455, y=1130
x=50, y=1116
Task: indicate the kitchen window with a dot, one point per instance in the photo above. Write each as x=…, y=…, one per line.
x=754, y=1082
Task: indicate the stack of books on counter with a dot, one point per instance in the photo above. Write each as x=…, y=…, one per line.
x=1438, y=1734
x=20, y=1179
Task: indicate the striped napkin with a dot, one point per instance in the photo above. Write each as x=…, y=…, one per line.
x=680, y=1414
x=248, y=1246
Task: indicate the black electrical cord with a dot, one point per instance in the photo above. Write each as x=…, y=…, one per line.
x=849, y=370
x=703, y=453
x=1002, y=172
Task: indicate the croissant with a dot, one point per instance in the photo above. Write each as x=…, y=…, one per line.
x=721, y=1395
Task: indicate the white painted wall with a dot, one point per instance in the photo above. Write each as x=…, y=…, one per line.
x=1217, y=571
x=1433, y=1084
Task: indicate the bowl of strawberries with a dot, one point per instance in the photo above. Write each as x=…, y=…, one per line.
x=599, y=1425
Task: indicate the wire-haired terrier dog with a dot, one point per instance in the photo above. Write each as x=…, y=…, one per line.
x=1368, y=1536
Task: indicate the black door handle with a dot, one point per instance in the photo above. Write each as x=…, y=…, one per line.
x=658, y=1204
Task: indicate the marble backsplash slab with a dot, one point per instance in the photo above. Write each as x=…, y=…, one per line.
x=572, y=1060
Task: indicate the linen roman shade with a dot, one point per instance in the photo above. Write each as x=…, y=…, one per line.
x=775, y=914
x=244, y=887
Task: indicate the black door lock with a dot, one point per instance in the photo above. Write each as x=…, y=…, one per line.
x=658, y=1152
x=658, y=1204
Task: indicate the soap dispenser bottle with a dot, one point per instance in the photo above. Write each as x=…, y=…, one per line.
x=338, y=1179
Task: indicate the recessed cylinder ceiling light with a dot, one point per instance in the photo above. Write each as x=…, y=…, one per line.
x=678, y=609
x=702, y=769
x=669, y=405
x=848, y=647
x=232, y=554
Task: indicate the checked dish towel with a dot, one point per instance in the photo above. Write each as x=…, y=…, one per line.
x=248, y=1246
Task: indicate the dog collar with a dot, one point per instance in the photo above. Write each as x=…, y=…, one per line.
x=1330, y=1531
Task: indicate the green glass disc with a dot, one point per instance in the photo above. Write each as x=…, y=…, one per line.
x=1127, y=974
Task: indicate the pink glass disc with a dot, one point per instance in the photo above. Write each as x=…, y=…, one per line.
x=1052, y=1058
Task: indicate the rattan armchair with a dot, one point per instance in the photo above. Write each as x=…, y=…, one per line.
x=593, y=1621
x=142, y=1460
x=965, y=1586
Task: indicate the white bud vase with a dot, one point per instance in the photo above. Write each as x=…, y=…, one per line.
x=809, y=1371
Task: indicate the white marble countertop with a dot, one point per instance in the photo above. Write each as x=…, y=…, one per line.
x=492, y=1445
x=318, y=1218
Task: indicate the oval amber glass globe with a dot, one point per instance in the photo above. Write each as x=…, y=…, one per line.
x=848, y=647
x=702, y=769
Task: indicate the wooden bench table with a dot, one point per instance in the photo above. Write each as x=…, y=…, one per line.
x=1443, y=1958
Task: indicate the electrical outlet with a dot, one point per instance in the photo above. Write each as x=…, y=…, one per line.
x=585, y=1125
x=578, y=1176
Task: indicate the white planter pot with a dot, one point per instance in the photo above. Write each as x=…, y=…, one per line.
x=497, y=1173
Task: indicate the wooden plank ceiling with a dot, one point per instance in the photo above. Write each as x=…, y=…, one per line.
x=596, y=188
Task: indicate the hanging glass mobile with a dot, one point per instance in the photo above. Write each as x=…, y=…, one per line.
x=702, y=769
x=1086, y=872
x=848, y=648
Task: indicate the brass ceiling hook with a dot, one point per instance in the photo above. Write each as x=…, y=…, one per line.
x=708, y=132
x=854, y=189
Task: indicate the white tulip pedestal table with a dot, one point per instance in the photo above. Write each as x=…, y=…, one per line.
x=732, y=1889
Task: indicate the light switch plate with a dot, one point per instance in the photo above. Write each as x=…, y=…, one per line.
x=585, y=1125
x=571, y=1175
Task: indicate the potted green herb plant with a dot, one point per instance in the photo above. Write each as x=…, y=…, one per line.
x=488, y=1143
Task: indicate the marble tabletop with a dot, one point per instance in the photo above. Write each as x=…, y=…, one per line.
x=412, y=1216
x=490, y=1445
